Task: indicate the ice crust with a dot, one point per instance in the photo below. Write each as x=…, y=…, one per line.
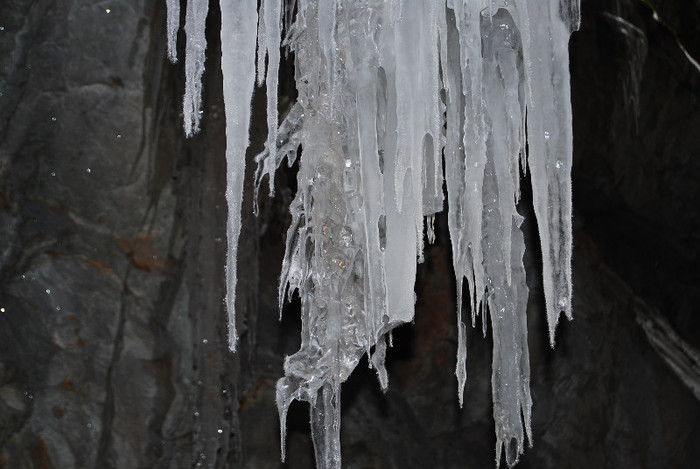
x=388, y=93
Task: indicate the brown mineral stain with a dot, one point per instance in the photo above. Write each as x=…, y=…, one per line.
x=57, y=412
x=73, y=317
x=247, y=400
x=143, y=254
x=101, y=267
x=81, y=342
x=66, y=384
x=42, y=454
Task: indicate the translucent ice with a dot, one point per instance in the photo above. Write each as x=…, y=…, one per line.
x=396, y=98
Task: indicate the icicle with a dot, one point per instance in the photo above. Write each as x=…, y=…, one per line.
x=273, y=36
x=550, y=139
x=195, y=49
x=378, y=363
x=173, y=27
x=385, y=90
x=238, y=20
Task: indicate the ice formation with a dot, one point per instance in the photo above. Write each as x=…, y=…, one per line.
x=396, y=98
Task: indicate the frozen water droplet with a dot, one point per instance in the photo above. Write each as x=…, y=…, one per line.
x=205, y=341
x=108, y=11
x=87, y=170
x=58, y=308
x=219, y=431
x=53, y=119
x=546, y=135
x=196, y=414
x=2, y=310
x=558, y=164
x=53, y=174
x=563, y=302
x=89, y=425
x=48, y=291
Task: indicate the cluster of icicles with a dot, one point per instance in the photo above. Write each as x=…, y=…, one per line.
x=396, y=98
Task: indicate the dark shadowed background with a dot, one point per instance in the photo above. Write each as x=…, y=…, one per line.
x=112, y=330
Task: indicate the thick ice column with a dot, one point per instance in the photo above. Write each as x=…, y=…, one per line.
x=238, y=33
x=502, y=71
x=467, y=19
x=507, y=303
x=545, y=37
x=368, y=85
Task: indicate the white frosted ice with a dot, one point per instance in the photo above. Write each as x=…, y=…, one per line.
x=238, y=33
x=173, y=26
x=195, y=49
x=396, y=98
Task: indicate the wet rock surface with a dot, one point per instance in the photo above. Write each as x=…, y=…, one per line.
x=112, y=331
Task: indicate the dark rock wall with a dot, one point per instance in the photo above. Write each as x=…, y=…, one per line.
x=112, y=330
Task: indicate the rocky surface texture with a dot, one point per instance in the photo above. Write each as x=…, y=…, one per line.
x=112, y=331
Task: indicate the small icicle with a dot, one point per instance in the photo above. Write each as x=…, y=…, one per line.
x=195, y=49
x=273, y=36
x=173, y=27
x=378, y=361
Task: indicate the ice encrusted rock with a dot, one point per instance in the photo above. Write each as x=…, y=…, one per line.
x=386, y=90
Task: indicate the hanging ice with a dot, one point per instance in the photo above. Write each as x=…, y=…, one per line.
x=388, y=90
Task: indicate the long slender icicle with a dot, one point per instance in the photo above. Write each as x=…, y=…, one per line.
x=238, y=33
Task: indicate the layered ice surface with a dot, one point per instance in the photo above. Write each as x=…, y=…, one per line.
x=395, y=99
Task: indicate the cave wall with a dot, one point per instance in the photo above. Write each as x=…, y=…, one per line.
x=112, y=330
